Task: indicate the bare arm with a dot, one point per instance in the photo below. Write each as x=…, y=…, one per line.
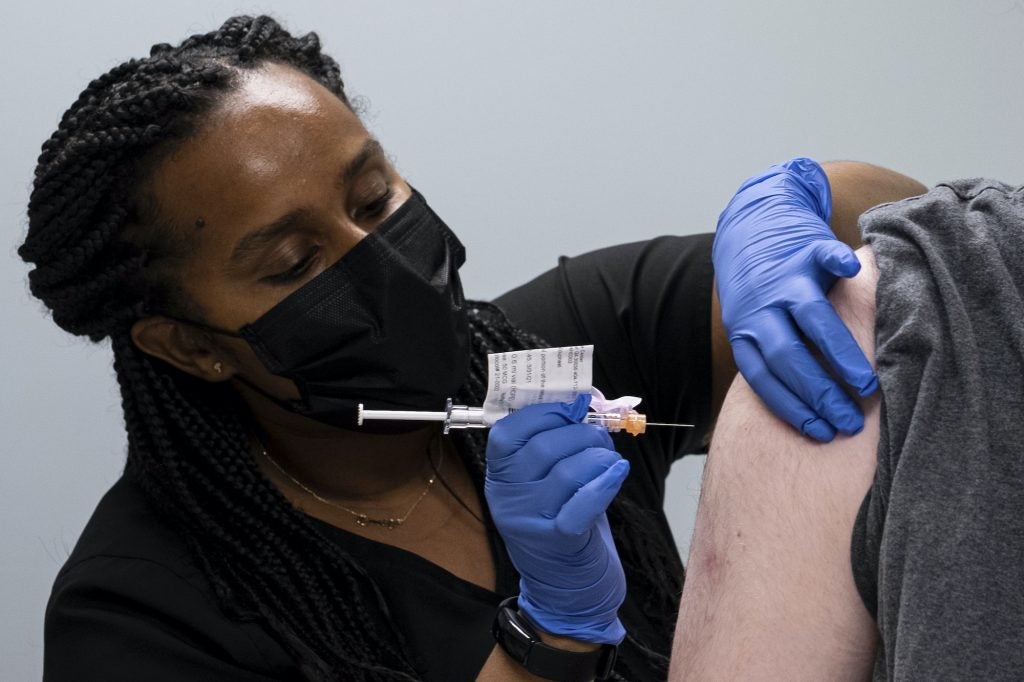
x=858, y=186
x=769, y=591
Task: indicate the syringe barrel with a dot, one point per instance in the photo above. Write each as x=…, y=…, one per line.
x=465, y=417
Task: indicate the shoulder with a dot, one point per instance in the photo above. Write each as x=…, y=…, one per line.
x=131, y=599
x=560, y=302
x=125, y=525
x=945, y=206
x=604, y=273
x=970, y=188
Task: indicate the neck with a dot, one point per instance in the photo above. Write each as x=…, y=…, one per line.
x=339, y=464
x=360, y=469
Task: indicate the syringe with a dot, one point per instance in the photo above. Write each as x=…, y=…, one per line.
x=464, y=417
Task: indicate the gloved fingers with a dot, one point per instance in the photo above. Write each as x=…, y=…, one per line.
x=792, y=363
x=546, y=449
x=822, y=325
x=572, y=473
x=810, y=177
x=779, y=399
x=512, y=432
x=583, y=509
x=836, y=257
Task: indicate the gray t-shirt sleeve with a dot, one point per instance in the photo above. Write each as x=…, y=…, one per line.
x=938, y=548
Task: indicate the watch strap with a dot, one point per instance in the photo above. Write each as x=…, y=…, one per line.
x=520, y=640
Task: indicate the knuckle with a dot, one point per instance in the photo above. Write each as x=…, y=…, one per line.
x=579, y=437
x=563, y=474
x=603, y=456
x=756, y=374
x=783, y=353
x=549, y=444
x=827, y=398
x=499, y=442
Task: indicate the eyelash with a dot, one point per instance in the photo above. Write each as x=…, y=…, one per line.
x=374, y=208
x=296, y=271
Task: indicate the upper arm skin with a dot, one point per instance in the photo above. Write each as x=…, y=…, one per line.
x=769, y=591
x=857, y=186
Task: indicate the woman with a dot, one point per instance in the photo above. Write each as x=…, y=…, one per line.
x=210, y=209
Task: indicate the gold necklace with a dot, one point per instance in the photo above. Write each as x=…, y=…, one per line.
x=362, y=520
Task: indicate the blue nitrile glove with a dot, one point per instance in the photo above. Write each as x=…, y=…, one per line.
x=549, y=481
x=775, y=259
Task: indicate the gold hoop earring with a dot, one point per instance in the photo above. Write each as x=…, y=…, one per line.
x=218, y=367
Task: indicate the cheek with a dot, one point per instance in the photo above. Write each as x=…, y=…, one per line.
x=224, y=301
x=225, y=298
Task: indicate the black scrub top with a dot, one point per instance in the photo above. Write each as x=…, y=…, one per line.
x=130, y=603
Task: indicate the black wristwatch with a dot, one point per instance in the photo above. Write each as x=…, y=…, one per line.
x=520, y=640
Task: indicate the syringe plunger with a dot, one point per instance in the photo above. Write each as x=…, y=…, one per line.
x=454, y=416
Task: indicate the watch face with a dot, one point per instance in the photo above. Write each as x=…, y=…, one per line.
x=513, y=638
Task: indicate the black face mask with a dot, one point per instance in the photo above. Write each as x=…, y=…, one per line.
x=384, y=326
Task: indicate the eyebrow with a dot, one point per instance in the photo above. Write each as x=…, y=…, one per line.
x=263, y=236
x=259, y=239
x=371, y=149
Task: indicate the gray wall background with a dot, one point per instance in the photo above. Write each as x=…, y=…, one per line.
x=535, y=128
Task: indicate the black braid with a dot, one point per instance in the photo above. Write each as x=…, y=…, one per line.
x=188, y=445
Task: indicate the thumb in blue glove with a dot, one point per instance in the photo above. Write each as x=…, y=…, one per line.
x=549, y=481
x=775, y=259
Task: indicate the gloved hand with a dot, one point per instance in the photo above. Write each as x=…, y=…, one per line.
x=549, y=480
x=775, y=259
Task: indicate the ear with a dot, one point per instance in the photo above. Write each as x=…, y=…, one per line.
x=182, y=347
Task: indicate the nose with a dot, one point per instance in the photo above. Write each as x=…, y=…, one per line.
x=344, y=234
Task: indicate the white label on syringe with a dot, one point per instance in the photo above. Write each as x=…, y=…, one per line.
x=541, y=375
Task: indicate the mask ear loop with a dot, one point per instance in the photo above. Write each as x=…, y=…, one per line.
x=293, y=406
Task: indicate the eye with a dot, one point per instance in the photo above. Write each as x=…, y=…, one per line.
x=375, y=207
x=296, y=271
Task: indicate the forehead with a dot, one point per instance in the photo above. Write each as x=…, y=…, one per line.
x=264, y=146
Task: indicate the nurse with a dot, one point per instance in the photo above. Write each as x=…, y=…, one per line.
x=218, y=213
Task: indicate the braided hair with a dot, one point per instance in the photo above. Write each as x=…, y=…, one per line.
x=101, y=254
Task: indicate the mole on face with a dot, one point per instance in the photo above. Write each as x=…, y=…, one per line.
x=200, y=223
